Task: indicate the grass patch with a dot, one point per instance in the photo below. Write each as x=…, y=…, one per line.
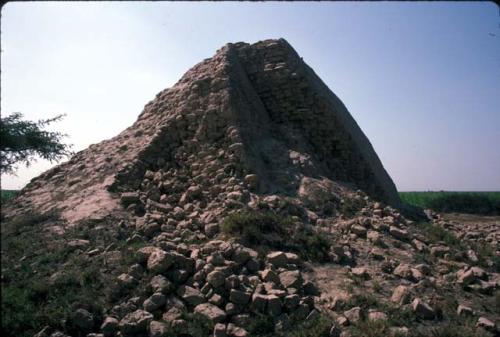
x=349, y=207
x=263, y=326
x=277, y=232
x=29, y=302
x=485, y=253
x=365, y=328
x=198, y=325
x=44, y=280
x=318, y=327
x=377, y=287
x=26, y=222
x=486, y=203
x=435, y=233
x=364, y=301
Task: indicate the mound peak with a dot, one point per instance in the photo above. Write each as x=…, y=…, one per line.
x=250, y=109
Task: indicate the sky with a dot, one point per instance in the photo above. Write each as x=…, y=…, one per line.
x=422, y=79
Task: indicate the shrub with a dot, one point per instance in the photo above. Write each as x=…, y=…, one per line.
x=256, y=227
x=365, y=301
x=277, y=232
x=435, y=233
x=261, y=325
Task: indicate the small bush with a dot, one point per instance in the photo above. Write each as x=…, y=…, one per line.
x=364, y=301
x=198, y=325
x=400, y=316
x=435, y=233
x=261, y=325
x=256, y=227
x=350, y=206
x=277, y=232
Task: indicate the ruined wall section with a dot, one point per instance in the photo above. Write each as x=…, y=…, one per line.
x=305, y=117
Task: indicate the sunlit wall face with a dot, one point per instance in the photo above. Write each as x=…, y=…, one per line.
x=421, y=79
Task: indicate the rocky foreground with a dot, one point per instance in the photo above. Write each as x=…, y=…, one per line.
x=245, y=201
x=374, y=274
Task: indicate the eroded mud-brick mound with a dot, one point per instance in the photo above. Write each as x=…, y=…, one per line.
x=244, y=201
x=251, y=109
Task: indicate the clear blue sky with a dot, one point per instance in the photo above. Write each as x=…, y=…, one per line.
x=421, y=79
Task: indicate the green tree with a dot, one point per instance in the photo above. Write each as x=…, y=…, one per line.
x=21, y=141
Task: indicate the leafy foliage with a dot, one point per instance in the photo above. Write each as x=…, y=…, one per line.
x=268, y=229
x=23, y=140
x=8, y=195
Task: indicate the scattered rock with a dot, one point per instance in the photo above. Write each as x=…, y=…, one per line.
x=401, y=295
x=353, y=314
x=211, y=312
x=216, y=278
x=159, y=261
x=398, y=233
x=135, y=323
x=83, y=319
x=191, y=295
x=463, y=310
x=277, y=259
x=422, y=309
x=158, y=329
x=291, y=279
x=154, y=302
x=486, y=324
x=109, y=326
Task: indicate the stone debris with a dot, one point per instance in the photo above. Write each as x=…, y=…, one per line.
x=136, y=322
x=423, y=309
x=401, y=295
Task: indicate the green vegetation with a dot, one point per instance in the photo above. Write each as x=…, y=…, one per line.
x=8, y=195
x=451, y=329
x=23, y=141
x=277, y=232
x=366, y=328
x=264, y=326
x=318, y=327
x=486, y=203
x=44, y=280
x=435, y=233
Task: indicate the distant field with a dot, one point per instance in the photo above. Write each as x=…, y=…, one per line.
x=487, y=203
x=8, y=194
